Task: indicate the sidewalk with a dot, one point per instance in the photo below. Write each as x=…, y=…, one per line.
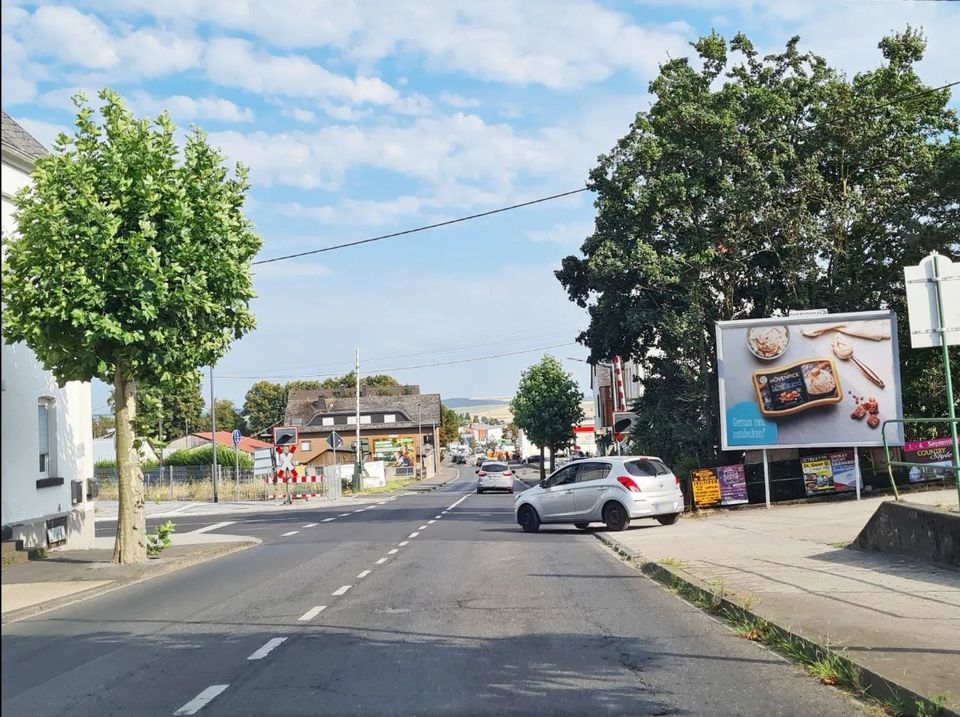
x=446, y=475
x=70, y=576
x=896, y=618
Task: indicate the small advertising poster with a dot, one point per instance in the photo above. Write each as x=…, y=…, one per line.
x=937, y=453
x=398, y=452
x=706, y=487
x=733, y=485
x=831, y=473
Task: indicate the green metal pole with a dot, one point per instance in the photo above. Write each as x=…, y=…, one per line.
x=946, y=368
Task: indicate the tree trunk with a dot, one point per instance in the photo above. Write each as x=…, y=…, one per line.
x=131, y=543
x=553, y=454
x=543, y=466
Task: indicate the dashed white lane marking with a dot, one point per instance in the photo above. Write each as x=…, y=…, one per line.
x=268, y=647
x=414, y=534
x=310, y=525
x=343, y=515
x=292, y=532
x=381, y=561
x=312, y=613
x=403, y=543
x=458, y=502
x=342, y=589
x=327, y=520
x=200, y=701
x=393, y=552
x=431, y=522
x=359, y=510
x=422, y=527
x=437, y=517
x=215, y=526
x=362, y=575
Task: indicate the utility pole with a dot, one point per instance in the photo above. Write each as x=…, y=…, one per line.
x=420, y=439
x=213, y=434
x=358, y=468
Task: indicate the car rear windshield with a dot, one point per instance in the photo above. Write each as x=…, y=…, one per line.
x=495, y=467
x=646, y=467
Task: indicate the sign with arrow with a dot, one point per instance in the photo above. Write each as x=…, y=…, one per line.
x=334, y=440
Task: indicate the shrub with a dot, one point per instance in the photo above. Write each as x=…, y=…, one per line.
x=203, y=456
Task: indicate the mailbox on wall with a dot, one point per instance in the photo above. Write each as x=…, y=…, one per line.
x=76, y=491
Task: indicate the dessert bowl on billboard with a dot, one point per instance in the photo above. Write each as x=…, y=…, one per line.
x=768, y=342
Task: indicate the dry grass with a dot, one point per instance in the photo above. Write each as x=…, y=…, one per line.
x=196, y=491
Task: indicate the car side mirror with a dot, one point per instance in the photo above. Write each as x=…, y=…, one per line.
x=543, y=483
x=477, y=471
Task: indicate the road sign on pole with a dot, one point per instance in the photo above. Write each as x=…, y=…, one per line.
x=334, y=440
x=236, y=437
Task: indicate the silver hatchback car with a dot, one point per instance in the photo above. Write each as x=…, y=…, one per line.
x=612, y=490
x=494, y=475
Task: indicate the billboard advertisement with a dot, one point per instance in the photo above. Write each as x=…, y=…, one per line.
x=937, y=453
x=399, y=452
x=809, y=381
x=829, y=473
x=723, y=485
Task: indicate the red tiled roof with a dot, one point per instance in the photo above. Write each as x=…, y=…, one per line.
x=225, y=438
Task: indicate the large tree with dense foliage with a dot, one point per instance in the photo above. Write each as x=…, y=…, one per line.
x=547, y=406
x=264, y=405
x=449, y=426
x=165, y=413
x=131, y=264
x=755, y=185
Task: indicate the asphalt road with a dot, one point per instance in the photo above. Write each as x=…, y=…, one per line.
x=427, y=604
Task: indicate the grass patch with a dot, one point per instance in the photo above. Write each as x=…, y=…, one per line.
x=389, y=487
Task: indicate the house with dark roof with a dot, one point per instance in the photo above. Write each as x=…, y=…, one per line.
x=398, y=425
x=46, y=474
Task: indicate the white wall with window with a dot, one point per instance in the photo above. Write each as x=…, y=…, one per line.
x=47, y=438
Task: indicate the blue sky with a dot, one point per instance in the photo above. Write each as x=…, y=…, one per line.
x=362, y=118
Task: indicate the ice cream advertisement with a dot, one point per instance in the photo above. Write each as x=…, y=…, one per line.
x=825, y=380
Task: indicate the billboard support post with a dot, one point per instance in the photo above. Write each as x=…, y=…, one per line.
x=766, y=478
x=856, y=470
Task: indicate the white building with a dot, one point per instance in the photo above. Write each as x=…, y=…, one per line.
x=46, y=459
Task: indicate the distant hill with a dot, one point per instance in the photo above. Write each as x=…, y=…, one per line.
x=471, y=402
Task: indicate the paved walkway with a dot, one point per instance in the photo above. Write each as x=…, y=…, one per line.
x=897, y=617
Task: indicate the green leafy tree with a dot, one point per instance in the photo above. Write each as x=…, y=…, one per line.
x=103, y=426
x=228, y=417
x=131, y=264
x=449, y=426
x=167, y=413
x=547, y=406
x=754, y=186
x=264, y=405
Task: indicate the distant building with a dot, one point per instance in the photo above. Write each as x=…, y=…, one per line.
x=105, y=449
x=224, y=438
x=398, y=425
x=47, y=431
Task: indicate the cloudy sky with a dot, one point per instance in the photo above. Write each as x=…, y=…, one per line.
x=374, y=116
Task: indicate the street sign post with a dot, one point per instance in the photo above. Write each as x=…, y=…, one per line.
x=236, y=459
x=335, y=441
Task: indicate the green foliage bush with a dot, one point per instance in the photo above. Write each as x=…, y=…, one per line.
x=203, y=456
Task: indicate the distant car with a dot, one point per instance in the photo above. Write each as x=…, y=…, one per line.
x=481, y=459
x=532, y=460
x=459, y=458
x=613, y=490
x=494, y=475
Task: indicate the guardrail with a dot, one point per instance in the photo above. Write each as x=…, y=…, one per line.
x=886, y=449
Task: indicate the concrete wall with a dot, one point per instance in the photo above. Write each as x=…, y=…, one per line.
x=25, y=507
x=919, y=531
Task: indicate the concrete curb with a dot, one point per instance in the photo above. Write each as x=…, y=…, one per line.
x=164, y=569
x=419, y=488
x=874, y=684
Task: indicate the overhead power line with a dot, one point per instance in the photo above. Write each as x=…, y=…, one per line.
x=406, y=368
x=448, y=222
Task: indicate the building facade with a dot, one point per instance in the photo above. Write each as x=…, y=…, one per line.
x=46, y=460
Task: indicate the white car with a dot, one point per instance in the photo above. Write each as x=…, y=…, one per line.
x=494, y=475
x=613, y=490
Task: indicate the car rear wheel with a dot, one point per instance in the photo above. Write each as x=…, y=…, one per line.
x=668, y=519
x=582, y=526
x=528, y=519
x=615, y=516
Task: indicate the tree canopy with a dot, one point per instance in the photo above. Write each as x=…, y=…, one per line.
x=752, y=186
x=131, y=264
x=449, y=425
x=547, y=405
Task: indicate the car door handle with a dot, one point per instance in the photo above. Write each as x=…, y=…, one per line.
x=568, y=491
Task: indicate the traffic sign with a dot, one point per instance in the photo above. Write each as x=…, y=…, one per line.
x=236, y=437
x=285, y=436
x=334, y=440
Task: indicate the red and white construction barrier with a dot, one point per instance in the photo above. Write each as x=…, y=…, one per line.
x=314, y=482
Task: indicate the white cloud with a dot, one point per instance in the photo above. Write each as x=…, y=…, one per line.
x=359, y=212
x=567, y=234
x=182, y=107
x=294, y=268
x=44, y=132
x=299, y=114
x=70, y=36
x=455, y=100
x=237, y=63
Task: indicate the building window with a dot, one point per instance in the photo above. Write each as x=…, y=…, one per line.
x=46, y=426
x=304, y=445
x=390, y=418
x=328, y=420
x=365, y=419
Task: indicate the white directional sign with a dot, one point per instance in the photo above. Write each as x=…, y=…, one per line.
x=927, y=324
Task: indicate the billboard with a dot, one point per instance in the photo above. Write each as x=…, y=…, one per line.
x=397, y=451
x=937, y=453
x=830, y=473
x=809, y=381
x=723, y=485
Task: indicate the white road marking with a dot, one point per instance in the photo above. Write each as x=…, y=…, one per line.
x=458, y=502
x=381, y=561
x=327, y=520
x=312, y=612
x=292, y=532
x=343, y=515
x=393, y=552
x=382, y=502
x=310, y=525
x=207, y=529
x=424, y=527
x=437, y=517
x=198, y=702
x=362, y=575
x=342, y=589
x=268, y=647
x=414, y=534
x=405, y=542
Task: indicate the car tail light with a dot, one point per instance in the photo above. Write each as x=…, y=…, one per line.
x=677, y=479
x=628, y=483
x=507, y=474
x=482, y=473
